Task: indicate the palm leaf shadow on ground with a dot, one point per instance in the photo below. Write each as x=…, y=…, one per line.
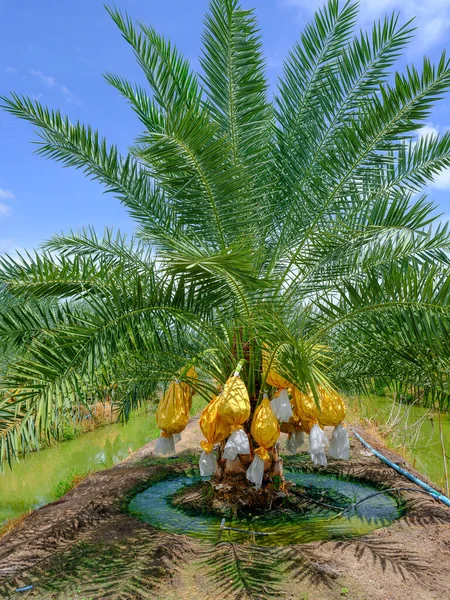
x=142, y=566
x=424, y=511
x=416, y=509
x=130, y=568
x=241, y=571
x=387, y=555
x=244, y=571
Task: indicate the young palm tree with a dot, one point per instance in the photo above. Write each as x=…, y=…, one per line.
x=290, y=226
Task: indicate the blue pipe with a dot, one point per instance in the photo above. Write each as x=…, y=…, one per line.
x=406, y=474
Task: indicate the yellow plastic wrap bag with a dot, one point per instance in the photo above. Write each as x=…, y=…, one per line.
x=272, y=377
x=234, y=405
x=215, y=430
x=332, y=413
x=332, y=408
x=189, y=392
x=212, y=425
x=265, y=430
x=287, y=427
x=171, y=417
x=305, y=408
x=234, y=408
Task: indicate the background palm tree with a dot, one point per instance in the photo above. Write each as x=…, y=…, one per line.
x=293, y=223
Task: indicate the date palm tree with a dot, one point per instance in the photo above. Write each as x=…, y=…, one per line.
x=292, y=224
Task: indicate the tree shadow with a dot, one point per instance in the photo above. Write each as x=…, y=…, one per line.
x=386, y=555
x=241, y=571
x=424, y=511
x=304, y=564
x=133, y=567
x=244, y=571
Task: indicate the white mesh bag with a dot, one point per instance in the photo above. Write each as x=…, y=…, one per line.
x=281, y=407
x=339, y=445
x=255, y=472
x=237, y=444
x=317, y=443
x=295, y=439
x=165, y=445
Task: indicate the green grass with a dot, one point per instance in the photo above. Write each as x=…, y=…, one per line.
x=66, y=484
x=198, y=404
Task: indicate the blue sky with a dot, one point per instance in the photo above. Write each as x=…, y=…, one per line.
x=57, y=51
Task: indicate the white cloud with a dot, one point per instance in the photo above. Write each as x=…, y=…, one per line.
x=70, y=98
x=73, y=100
x=5, y=210
x=51, y=82
x=10, y=246
x=46, y=79
x=6, y=194
x=428, y=129
x=6, y=246
x=432, y=17
x=11, y=70
x=441, y=181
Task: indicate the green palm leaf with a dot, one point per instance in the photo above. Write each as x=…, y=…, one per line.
x=295, y=226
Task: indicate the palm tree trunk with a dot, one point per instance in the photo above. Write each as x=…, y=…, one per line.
x=232, y=487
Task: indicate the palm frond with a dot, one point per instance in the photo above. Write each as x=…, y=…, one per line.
x=296, y=227
x=81, y=147
x=235, y=82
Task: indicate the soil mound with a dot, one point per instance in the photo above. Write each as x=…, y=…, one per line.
x=87, y=546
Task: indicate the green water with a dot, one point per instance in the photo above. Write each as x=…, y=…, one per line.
x=153, y=506
x=32, y=481
x=416, y=429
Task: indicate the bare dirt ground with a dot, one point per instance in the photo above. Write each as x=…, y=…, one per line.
x=85, y=546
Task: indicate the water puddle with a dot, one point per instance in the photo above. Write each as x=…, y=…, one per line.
x=153, y=506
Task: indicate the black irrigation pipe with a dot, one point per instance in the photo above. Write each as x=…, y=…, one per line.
x=319, y=502
x=355, y=504
x=388, y=491
x=333, y=507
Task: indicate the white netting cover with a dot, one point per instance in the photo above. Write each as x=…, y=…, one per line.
x=295, y=439
x=281, y=407
x=176, y=438
x=237, y=444
x=207, y=464
x=339, y=445
x=317, y=443
x=165, y=445
x=255, y=472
